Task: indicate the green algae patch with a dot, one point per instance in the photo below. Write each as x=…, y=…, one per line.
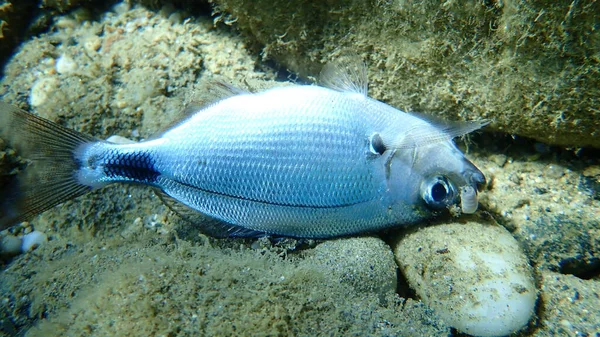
x=530, y=67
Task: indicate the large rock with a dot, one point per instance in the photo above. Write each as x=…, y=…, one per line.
x=474, y=275
x=529, y=67
x=365, y=263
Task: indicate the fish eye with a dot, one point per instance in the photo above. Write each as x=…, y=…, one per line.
x=376, y=145
x=438, y=192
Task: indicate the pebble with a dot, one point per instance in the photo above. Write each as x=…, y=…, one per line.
x=32, y=240
x=590, y=171
x=41, y=90
x=10, y=245
x=65, y=65
x=475, y=276
x=554, y=171
x=499, y=159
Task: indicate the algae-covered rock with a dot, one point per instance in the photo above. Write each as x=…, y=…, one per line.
x=174, y=288
x=365, y=263
x=530, y=67
x=14, y=18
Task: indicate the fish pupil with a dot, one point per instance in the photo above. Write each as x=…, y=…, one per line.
x=438, y=192
x=377, y=145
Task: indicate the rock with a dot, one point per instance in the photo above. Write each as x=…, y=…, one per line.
x=65, y=65
x=525, y=66
x=554, y=219
x=41, y=90
x=570, y=305
x=366, y=263
x=32, y=240
x=474, y=275
x=14, y=18
x=10, y=245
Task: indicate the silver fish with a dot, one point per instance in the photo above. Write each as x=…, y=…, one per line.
x=300, y=161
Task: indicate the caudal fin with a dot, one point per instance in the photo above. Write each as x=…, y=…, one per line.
x=48, y=179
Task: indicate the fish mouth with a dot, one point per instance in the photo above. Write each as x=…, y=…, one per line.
x=474, y=178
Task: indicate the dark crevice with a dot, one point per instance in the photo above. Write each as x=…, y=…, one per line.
x=403, y=289
x=582, y=268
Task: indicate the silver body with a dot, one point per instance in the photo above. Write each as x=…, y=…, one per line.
x=295, y=161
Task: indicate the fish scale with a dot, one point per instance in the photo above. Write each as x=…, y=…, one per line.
x=305, y=155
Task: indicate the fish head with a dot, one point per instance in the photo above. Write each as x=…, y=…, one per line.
x=432, y=177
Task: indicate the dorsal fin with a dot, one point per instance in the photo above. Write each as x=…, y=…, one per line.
x=428, y=133
x=346, y=75
x=212, y=92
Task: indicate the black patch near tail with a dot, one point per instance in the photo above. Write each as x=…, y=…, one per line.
x=49, y=178
x=136, y=166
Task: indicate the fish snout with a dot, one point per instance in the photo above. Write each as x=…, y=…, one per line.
x=474, y=177
x=478, y=179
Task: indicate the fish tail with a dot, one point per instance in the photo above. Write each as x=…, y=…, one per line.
x=48, y=177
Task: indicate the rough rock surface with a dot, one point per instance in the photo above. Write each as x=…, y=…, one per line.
x=568, y=301
x=530, y=67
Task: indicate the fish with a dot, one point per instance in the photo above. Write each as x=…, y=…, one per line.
x=303, y=161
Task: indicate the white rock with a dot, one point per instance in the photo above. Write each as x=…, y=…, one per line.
x=65, y=65
x=121, y=8
x=475, y=276
x=41, y=90
x=32, y=240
